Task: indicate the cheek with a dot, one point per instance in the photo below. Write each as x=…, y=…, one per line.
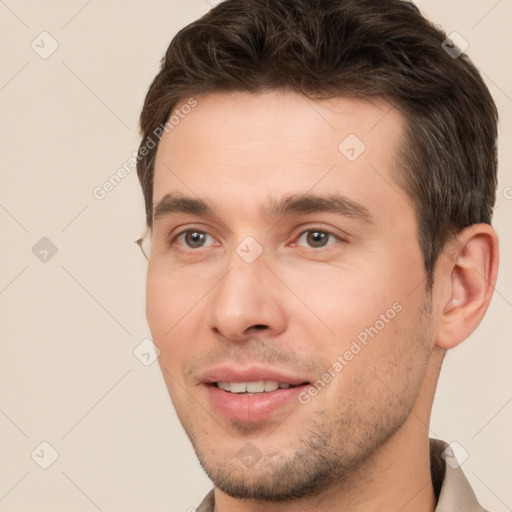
x=171, y=316
x=159, y=305
x=170, y=319
x=363, y=312
x=380, y=373
x=169, y=299
x=338, y=301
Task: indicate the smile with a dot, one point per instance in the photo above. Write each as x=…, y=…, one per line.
x=249, y=388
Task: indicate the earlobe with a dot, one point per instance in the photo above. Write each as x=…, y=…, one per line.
x=470, y=272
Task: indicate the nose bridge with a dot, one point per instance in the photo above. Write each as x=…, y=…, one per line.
x=243, y=298
x=246, y=263
x=242, y=285
x=240, y=280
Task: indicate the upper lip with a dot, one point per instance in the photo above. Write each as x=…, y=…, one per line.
x=250, y=374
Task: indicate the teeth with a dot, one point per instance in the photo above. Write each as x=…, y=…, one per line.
x=255, y=387
x=259, y=386
x=238, y=387
x=271, y=385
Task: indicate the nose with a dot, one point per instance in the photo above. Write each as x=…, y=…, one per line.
x=247, y=302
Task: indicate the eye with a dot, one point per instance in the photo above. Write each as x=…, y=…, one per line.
x=192, y=238
x=317, y=238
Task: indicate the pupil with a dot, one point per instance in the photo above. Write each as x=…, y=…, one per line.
x=196, y=238
x=317, y=238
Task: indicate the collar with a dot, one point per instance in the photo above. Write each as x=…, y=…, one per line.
x=451, y=486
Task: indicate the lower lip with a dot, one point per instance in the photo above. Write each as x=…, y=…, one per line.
x=252, y=408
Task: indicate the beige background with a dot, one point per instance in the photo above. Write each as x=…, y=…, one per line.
x=69, y=326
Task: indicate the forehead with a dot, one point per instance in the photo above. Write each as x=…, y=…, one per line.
x=245, y=148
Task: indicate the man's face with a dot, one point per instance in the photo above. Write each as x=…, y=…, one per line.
x=329, y=304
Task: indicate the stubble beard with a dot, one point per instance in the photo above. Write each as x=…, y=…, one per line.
x=333, y=446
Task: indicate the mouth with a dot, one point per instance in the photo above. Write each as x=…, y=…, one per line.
x=253, y=394
x=254, y=387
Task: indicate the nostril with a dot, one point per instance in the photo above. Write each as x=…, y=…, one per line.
x=260, y=326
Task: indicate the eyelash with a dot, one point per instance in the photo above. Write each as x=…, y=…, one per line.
x=310, y=230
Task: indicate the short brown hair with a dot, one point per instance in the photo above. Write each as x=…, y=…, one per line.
x=361, y=48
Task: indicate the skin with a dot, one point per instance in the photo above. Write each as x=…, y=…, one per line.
x=361, y=444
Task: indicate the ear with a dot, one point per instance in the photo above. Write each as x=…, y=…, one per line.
x=468, y=274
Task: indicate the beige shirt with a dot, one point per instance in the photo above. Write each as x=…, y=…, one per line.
x=452, y=489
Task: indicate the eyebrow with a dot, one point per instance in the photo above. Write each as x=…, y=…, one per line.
x=175, y=203
x=312, y=203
